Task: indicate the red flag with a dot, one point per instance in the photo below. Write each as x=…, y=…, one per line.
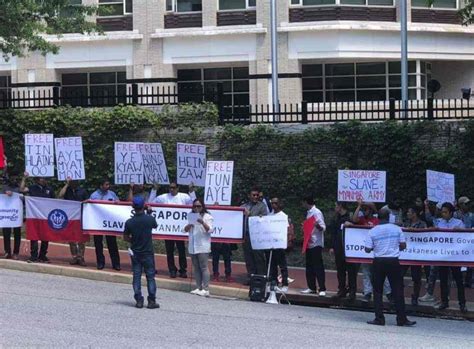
x=2, y=154
x=308, y=227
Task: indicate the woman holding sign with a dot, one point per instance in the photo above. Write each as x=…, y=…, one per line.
x=199, y=227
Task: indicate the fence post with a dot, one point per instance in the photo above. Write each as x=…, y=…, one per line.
x=134, y=94
x=304, y=112
x=391, y=106
x=56, y=101
x=220, y=103
x=430, y=108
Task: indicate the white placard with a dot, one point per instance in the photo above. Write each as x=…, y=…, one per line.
x=437, y=247
x=219, y=175
x=154, y=164
x=355, y=184
x=191, y=164
x=69, y=158
x=39, y=154
x=268, y=232
x=11, y=211
x=128, y=163
x=440, y=186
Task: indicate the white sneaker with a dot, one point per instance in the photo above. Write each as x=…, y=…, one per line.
x=322, y=294
x=196, y=291
x=290, y=280
x=427, y=298
x=307, y=291
x=203, y=293
x=283, y=289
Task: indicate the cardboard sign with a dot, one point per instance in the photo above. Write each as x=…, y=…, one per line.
x=39, y=155
x=268, y=232
x=69, y=158
x=128, y=163
x=154, y=164
x=440, y=186
x=370, y=186
x=2, y=154
x=219, y=182
x=191, y=164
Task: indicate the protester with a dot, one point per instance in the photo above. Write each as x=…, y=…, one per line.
x=225, y=250
x=137, y=190
x=314, y=251
x=342, y=217
x=72, y=191
x=396, y=214
x=266, y=201
x=464, y=213
x=138, y=231
x=199, y=228
x=254, y=259
x=279, y=255
x=39, y=189
x=174, y=197
x=104, y=193
x=9, y=187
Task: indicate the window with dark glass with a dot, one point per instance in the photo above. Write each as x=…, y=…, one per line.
x=183, y=5
x=5, y=90
x=108, y=8
x=447, y=4
x=236, y=4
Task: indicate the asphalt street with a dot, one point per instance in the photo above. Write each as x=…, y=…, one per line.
x=38, y=310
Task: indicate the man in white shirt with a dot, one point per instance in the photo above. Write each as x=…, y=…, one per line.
x=174, y=197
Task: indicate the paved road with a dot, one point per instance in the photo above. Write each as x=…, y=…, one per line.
x=53, y=311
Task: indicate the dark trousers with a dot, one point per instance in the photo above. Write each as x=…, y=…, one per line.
x=42, y=251
x=388, y=268
x=146, y=263
x=183, y=264
x=315, y=268
x=443, y=279
x=415, y=277
x=7, y=232
x=218, y=249
x=343, y=269
x=254, y=259
x=468, y=279
x=279, y=260
x=111, y=245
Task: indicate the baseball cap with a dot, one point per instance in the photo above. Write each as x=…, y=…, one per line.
x=138, y=202
x=463, y=200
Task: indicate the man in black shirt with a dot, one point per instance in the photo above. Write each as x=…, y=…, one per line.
x=42, y=190
x=138, y=233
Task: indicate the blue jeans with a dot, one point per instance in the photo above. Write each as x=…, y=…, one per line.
x=144, y=262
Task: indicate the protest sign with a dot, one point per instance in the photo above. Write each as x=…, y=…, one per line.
x=191, y=164
x=430, y=246
x=2, y=154
x=268, y=232
x=440, y=186
x=128, y=163
x=219, y=182
x=69, y=158
x=154, y=164
x=108, y=218
x=39, y=155
x=308, y=227
x=11, y=211
x=370, y=186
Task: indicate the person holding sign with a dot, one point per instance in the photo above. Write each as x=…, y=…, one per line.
x=279, y=256
x=10, y=187
x=39, y=189
x=105, y=194
x=174, y=197
x=199, y=228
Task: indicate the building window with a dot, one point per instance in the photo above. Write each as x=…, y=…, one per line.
x=196, y=85
x=343, y=2
x=237, y=4
x=443, y=4
x=183, y=5
x=94, y=89
x=5, y=90
x=108, y=8
x=371, y=81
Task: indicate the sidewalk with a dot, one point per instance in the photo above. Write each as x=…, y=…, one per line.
x=60, y=256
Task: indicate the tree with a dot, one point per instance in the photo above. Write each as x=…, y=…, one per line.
x=466, y=13
x=24, y=23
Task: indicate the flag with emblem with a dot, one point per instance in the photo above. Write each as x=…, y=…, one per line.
x=53, y=220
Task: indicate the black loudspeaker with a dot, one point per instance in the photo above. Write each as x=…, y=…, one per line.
x=257, y=288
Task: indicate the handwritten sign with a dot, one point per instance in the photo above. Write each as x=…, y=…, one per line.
x=69, y=158
x=219, y=182
x=440, y=186
x=355, y=184
x=39, y=154
x=154, y=164
x=191, y=164
x=11, y=211
x=268, y=232
x=128, y=163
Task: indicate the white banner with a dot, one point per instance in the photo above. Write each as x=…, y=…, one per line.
x=268, y=232
x=219, y=176
x=109, y=219
x=440, y=186
x=154, y=164
x=39, y=154
x=128, y=163
x=191, y=164
x=69, y=158
x=355, y=184
x=11, y=211
x=427, y=246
